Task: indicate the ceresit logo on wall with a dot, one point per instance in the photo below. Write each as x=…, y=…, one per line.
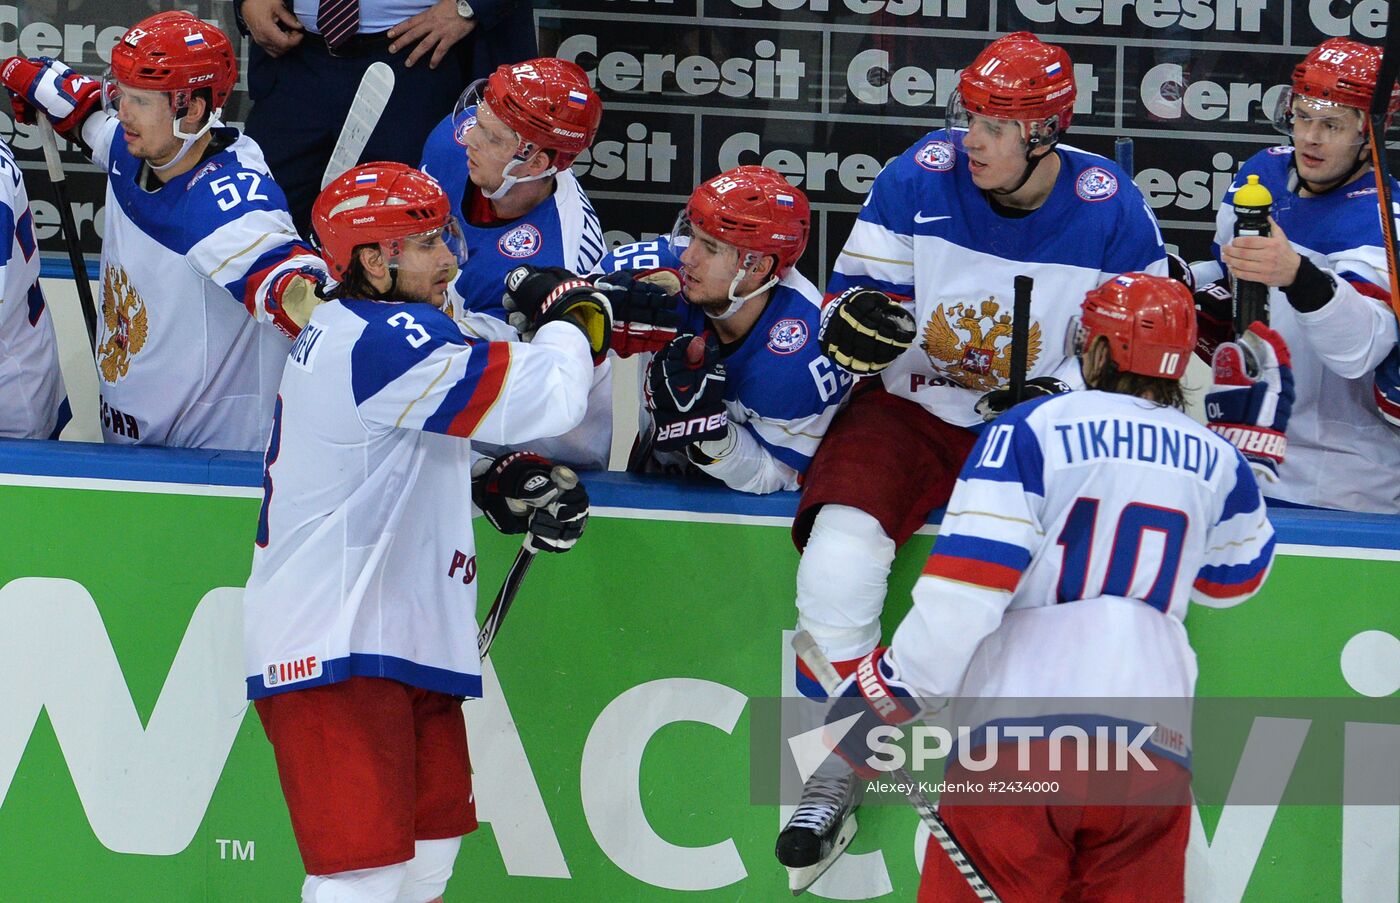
x=1227, y=19
x=933, y=13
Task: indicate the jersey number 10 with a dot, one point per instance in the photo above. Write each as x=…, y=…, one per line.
x=1137, y=520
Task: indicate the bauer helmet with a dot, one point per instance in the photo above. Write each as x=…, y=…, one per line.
x=1021, y=78
x=1337, y=73
x=755, y=210
x=381, y=204
x=1149, y=321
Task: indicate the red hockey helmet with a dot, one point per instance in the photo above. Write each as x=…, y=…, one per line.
x=754, y=209
x=548, y=103
x=379, y=203
x=1341, y=71
x=177, y=53
x=1020, y=77
x=1149, y=321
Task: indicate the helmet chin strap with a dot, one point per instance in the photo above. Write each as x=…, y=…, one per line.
x=189, y=140
x=509, y=181
x=736, y=300
x=1361, y=160
x=1032, y=163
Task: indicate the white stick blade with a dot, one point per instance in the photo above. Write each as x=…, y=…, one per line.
x=370, y=100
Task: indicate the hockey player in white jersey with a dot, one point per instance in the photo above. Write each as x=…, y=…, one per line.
x=360, y=638
x=752, y=404
x=1325, y=262
x=946, y=229
x=1080, y=528
x=503, y=158
x=203, y=276
x=32, y=401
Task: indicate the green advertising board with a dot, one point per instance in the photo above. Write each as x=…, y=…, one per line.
x=611, y=755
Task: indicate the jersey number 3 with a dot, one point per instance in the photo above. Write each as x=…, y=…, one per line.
x=1121, y=579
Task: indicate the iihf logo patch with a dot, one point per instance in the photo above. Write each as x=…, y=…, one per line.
x=522, y=241
x=467, y=124
x=1096, y=184
x=936, y=156
x=787, y=336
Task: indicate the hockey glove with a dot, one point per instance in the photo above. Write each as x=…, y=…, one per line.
x=643, y=302
x=292, y=297
x=1388, y=387
x=1251, y=397
x=524, y=493
x=998, y=401
x=48, y=85
x=864, y=330
x=685, y=393
x=1180, y=270
x=1215, y=319
x=871, y=697
x=539, y=295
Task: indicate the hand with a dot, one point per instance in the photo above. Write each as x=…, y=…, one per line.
x=1268, y=259
x=292, y=297
x=1215, y=318
x=272, y=26
x=998, y=401
x=1251, y=397
x=875, y=695
x=524, y=493
x=63, y=95
x=1387, y=387
x=538, y=295
x=685, y=393
x=435, y=29
x=864, y=331
x=645, y=317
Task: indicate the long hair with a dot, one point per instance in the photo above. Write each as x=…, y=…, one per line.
x=1156, y=389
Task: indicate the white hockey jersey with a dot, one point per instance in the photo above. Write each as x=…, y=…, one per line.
x=364, y=561
x=780, y=391
x=187, y=355
x=561, y=231
x=32, y=401
x=1338, y=441
x=1079, y=530
x=927, y=233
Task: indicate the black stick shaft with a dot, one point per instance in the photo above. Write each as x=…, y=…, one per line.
x=1020, y=336
x=491, y=625
x=70, y=229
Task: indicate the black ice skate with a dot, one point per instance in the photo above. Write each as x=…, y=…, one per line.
x=820, y=829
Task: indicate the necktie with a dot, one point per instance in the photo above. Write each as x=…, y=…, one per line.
x=338, y=20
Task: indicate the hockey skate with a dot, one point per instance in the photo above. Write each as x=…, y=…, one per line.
x=820, y=829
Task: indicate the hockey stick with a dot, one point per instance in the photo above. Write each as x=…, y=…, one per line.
x=1123, y=154
x=371, y=97
x=1020, y=336
x=1380, y=104
x=565, y=479
x=811, y=655
x=70, y=228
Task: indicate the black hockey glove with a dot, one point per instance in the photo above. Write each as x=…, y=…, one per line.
x=1215, y=318
x=524, y=493
x=1180, y=270
x=998, y=401
x=644, y=310
x=538, y=295
x=685, y=392
x=864, y=330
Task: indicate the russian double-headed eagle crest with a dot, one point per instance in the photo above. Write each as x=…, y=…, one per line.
x=972, y=346
x=124, y=314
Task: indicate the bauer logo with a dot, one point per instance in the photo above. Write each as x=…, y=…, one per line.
x=520, y=242
x=787, y=336
x=936, y=156
x=1096, y=184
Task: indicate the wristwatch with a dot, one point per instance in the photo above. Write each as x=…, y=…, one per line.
x=464, y=9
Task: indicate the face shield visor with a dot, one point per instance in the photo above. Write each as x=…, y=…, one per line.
x=1309, y=120
x=958, y=121
x=469, y=112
